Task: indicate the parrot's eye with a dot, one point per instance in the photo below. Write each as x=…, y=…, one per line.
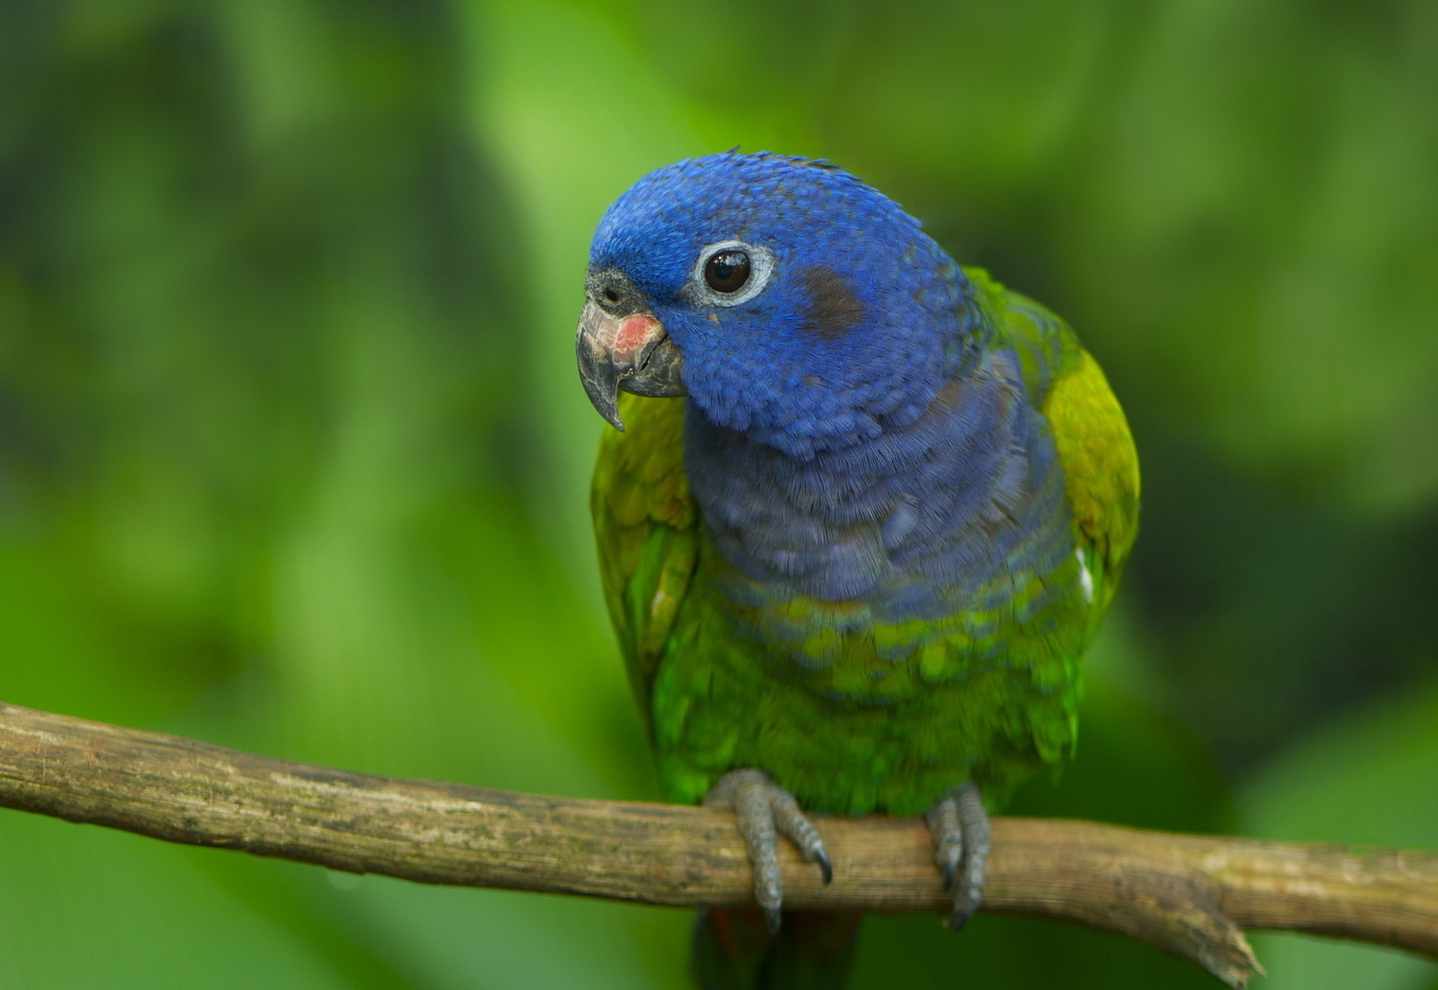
x=730, y=273
x=727, y=271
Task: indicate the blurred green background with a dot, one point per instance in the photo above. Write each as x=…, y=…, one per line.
x=293, y=456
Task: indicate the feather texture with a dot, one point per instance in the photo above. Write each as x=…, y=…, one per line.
x=866, y=553
x=955, y=657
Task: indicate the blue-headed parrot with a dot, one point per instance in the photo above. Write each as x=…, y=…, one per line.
x=860, y=514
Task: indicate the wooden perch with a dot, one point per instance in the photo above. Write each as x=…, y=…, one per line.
x=1191, y=895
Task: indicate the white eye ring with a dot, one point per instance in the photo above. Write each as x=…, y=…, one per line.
x=761, y=268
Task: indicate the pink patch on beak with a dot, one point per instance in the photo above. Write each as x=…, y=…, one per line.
x=633, y=333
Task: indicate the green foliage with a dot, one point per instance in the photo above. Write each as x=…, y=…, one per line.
x=293, y=456
x=1369, y=778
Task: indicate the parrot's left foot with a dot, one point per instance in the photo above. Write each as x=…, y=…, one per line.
x=960, y=827
x=764, y=811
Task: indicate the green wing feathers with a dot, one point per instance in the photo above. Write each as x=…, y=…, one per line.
x=647, y=532
x=1094, y=444
x=1100, y=469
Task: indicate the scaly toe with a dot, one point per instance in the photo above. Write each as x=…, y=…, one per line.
x=790, y=822
x=763, y=810
x=960, y=828
x=943, y=819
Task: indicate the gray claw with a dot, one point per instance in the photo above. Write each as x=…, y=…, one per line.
x=825, y=867
x=960, y=828
x=764, y=810
x=773, y=919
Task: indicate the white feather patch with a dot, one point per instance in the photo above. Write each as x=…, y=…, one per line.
x=1085, y=576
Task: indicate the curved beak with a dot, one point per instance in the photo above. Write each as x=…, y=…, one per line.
x=631, y=352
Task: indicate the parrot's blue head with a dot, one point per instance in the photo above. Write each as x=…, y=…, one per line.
x=786, y=298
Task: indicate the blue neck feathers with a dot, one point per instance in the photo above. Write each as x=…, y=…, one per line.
x=913, y=522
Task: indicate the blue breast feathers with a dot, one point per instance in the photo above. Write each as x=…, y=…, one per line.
x=925, y=519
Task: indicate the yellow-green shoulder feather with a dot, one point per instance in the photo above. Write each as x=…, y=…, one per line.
x=646, y=529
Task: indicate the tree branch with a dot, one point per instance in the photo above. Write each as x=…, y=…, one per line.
x=1190, y=895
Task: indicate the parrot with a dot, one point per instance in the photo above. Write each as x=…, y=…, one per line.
x=858, y=519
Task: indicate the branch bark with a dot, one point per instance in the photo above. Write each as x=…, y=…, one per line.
x=1190, y=895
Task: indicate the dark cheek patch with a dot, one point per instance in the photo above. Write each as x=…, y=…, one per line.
x=833, y=307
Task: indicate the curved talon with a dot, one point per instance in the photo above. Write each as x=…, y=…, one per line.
x=960, y=828
x=826, y=868
x=763, y=811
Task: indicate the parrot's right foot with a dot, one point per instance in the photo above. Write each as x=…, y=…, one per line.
x=764, y=810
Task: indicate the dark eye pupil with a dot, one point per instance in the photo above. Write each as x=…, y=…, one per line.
x=727, y=271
